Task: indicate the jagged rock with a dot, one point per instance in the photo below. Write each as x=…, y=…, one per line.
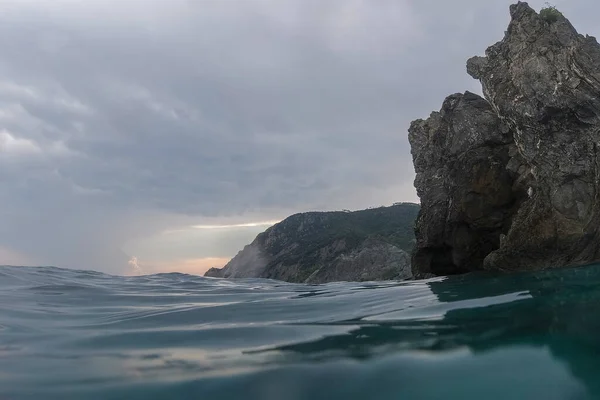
x=542, y=82
x=330, y=246
x=467, y=193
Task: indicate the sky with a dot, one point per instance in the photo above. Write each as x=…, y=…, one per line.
x=143, y=136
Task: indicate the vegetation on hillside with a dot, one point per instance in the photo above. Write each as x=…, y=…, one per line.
x=301, y=238
x=550, y=13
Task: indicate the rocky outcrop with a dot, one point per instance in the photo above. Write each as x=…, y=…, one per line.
x=512, y=182
x=324, y=247
x=468, y=195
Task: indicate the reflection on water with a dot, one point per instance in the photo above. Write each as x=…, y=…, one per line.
x=74, y=334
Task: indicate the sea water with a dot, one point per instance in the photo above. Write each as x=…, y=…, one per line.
x=67, y=334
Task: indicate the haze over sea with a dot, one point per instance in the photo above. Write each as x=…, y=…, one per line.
x=67, y=334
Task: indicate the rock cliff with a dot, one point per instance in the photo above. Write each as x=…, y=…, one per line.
x=511, y=182
x=321, y=247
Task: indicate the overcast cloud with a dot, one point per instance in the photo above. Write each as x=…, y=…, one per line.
x=124, y=123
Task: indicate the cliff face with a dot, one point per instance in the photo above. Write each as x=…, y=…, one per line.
x=330, y=246
x=512, y=182
x=467, y=193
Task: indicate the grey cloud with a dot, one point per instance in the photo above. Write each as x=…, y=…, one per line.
x=151, y=113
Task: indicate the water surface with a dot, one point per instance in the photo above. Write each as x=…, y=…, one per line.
x=68, y=334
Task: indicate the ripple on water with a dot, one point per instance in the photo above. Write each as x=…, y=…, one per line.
x=76, y=334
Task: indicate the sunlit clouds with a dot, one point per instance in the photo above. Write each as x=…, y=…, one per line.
x=191, y=266
x=246, y=225
x=9, y=144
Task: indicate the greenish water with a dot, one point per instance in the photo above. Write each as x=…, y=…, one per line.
x=68, y=334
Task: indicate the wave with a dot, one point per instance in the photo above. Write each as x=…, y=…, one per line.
x=84, y=334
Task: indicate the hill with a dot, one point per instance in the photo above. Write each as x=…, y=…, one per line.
x=318, y=247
